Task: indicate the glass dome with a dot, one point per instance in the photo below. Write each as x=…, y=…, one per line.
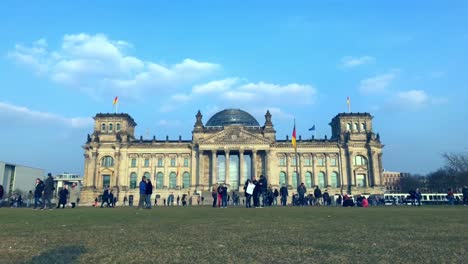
x=230, y=117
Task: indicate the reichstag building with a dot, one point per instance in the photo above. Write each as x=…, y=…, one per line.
x=229, y=148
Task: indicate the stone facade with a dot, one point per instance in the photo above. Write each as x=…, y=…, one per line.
x=392, y=181
x=349, y=162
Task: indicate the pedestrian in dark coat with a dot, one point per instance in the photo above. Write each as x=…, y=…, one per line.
x=283, y=194
x=301, y=190
x=149, y=192
x=256, y=193
x=105, y=197
x=63, y=195
x=48, y=191
x=38, y=193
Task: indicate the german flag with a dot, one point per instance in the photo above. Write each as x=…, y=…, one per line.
x=116, y=100
x=293, y=140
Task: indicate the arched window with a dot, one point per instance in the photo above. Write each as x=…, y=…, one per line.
x=308, y=179
x=159, y=180
x=111, y=127
x=335, y=180
x=147, y=175
x=363, y=126
x=360, y=160
x=355, y=127
x=117, y=127
x=282, y=178
x=133, y=180
x=107, y=161
x=321, y=179
x=103, y=127
x=348, y=126
x=294, y=180
x=186, y=180
x=172, y=180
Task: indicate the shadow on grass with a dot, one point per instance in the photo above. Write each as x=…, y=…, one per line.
x=66, y=254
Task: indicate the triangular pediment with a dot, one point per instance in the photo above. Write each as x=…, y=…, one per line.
x=237, y=135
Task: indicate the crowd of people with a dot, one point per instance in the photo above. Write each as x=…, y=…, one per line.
x=41, y=197
x=257, y=193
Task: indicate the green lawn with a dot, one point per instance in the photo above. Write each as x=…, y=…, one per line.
x=235, y=235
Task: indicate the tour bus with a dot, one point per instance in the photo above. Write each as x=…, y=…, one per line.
x=426, y=198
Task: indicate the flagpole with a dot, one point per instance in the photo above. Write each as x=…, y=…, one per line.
x=297, y=159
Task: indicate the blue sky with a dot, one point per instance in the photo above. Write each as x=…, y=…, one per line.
x=62, y=62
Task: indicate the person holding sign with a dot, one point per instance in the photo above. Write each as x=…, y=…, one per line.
x=248, y=189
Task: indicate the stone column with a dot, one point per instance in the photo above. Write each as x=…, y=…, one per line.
x=314, y=174
x=196, y=167
x=94, y=166
x=288, y=181
x=227, y=158
x=267, y=164
x=241, y=168
x=166, y=160
x=254, y=163
x=117, y=169
x=327, y=171
x=213, y=167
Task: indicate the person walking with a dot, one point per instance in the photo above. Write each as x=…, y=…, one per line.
x=256, y=193
x=48, y=191
x=214, y=194
x=29, y=199
x=326, y=198
x=38, y=193
x=63, y=195
x=275, y=197
x=125, y=200
x=141, y=202
x=149, y=192
x=465, y=195
x=318, y=196
x=450, y=197
x=284, y=194
x=105, y=197
x=224, y=196
x=1, y=194
x=301, y=190
x=74, y=195
x=263, y=183
x=248, y=196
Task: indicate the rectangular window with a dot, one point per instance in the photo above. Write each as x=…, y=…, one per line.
x=160, y=162
x=173, y=162
x=146, y=162
x=282, y=162
x=105, y=180
x=293, y=161
x=320, y=162
x=333, y=162
x=133, y=165
x=308, y=162
x=186, y=163
x=361, y=180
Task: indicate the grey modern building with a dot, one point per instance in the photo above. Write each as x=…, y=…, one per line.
x=17, y=177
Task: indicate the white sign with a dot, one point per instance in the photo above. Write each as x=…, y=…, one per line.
x=250, y=188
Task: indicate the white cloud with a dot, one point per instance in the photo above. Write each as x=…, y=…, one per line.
x=97, y=64
x=349, y=61
x=275, y=112
x=412, y=97
x=378, y=83
x=414, y=100
x=24, y=113
x=235, y=92
x=215, y=86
